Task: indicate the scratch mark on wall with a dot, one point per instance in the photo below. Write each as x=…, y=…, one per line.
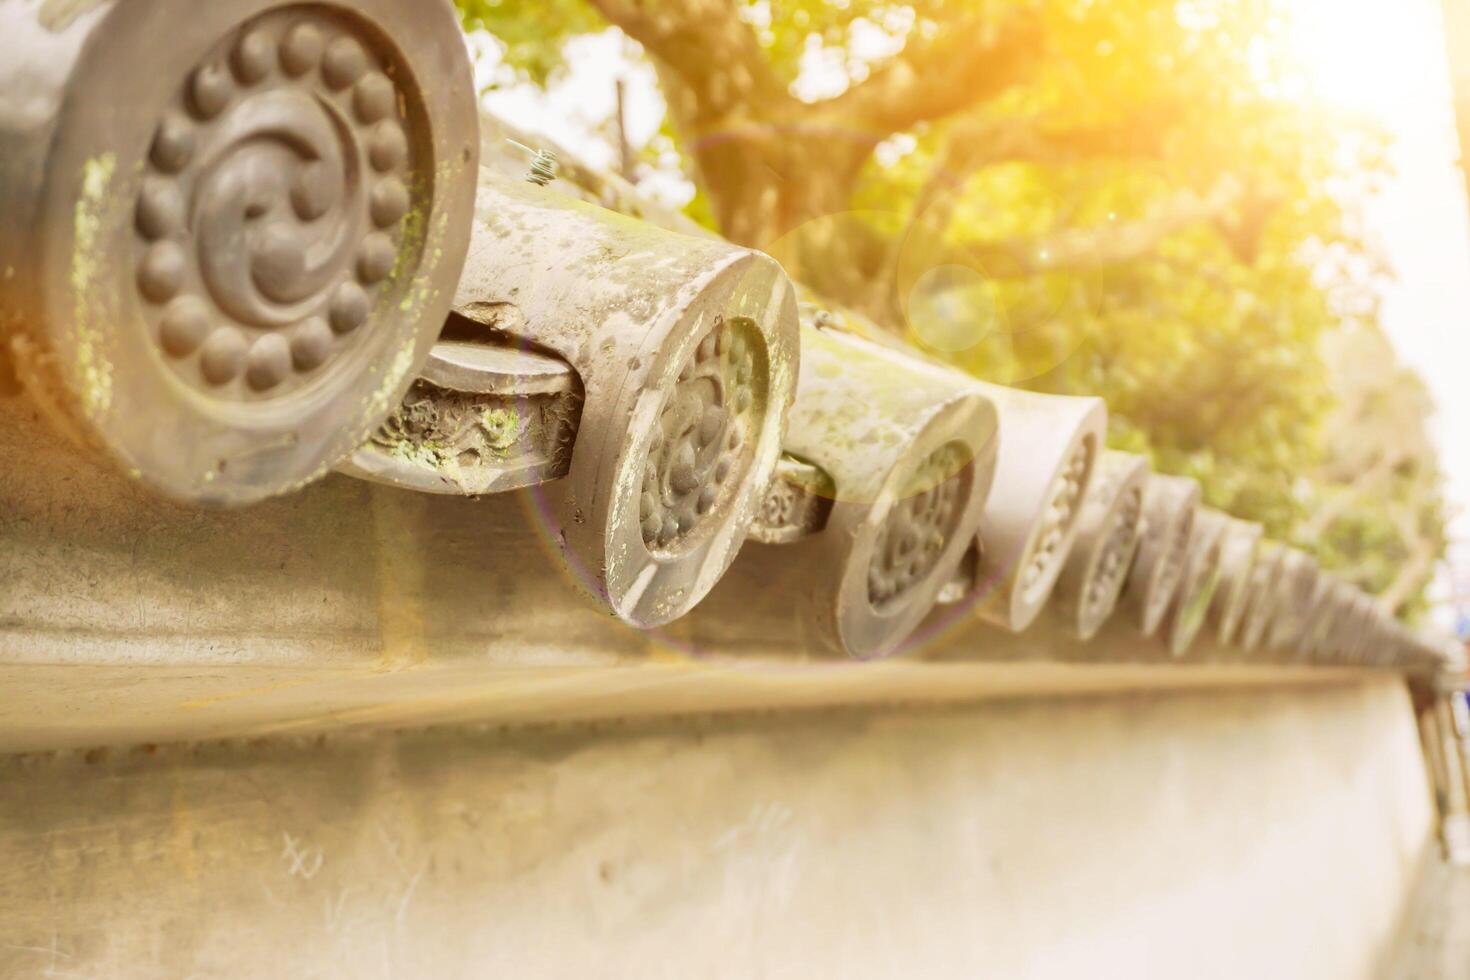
x=305, y=863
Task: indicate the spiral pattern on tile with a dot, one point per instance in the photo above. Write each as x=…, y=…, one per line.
x=272, y=208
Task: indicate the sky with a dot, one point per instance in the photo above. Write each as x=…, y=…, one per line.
x=1384, y=59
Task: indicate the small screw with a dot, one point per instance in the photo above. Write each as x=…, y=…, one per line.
x=543, y=166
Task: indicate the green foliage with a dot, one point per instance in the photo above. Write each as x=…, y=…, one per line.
x=1207, y=362
x=787, y=29
x=1206, y=343
x=533, y=31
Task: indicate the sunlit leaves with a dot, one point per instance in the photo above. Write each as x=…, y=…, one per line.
x=532, y=31
x=1206, y=344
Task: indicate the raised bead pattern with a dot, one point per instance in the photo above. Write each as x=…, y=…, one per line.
x=706, y=431
x=1112, y=565
x=1061, y=513
x=920, y=524
x=271, y=208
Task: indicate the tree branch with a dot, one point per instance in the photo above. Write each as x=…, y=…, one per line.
x=1412, y=573
x=1368, y=480
x=980, y=140
x=1082, y=249
x=940, y=74
x=706, y=45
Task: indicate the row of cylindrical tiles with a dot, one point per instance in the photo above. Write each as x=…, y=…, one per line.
x=901, y=485
x=297, y=250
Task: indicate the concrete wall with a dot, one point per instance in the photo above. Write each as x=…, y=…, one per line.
x=125, y=619
x=1012, y=818
x=1246, y=833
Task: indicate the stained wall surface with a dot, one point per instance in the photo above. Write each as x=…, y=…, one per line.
x=126, y=619
x=1223, y=834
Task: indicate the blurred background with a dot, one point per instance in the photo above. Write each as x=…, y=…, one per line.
x=1242, y=222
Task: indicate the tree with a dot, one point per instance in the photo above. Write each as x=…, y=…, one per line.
x=1127, y=198
x=1378, y=516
